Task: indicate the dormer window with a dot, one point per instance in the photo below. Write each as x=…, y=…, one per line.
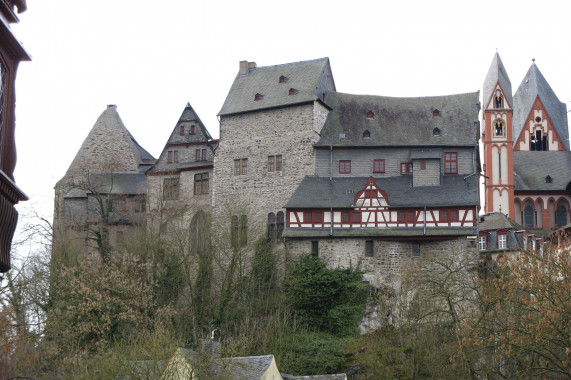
x=436, y=132
x=548, y=179
x=292, y=91
x=436, y=113
x=257, y=97
x=367, y=134
x=370, y=115
x=283, y=79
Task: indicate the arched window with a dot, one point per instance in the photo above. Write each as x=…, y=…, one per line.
x=498, y=100
x=561, y=215
x=436, y=113
x=499, y=129
x=528, y=216
x=280, y=225
x=370, y=115
x=436, y=132
x=367, y=134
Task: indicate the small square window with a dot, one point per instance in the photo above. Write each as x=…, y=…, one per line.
x=405, y=168
x=344, y=167
x=378, y=166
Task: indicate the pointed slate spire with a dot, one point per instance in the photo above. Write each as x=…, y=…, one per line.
x=532, y=86
x=496, y=73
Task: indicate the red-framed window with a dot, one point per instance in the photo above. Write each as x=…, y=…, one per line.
x=313, y=217
x=422, y=164
x=200, y=155
x=406, y=216
x=371, y=194
x=192, y=129
x=356, y=217
x=181, y=132
x=172, y=156
x=344, y=166
x=405, y=168
x=203, y=154
x=378, y=166
x=450, y=163
x=449, y=215
x=350, y=217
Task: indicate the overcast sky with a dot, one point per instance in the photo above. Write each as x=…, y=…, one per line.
x=152, y=57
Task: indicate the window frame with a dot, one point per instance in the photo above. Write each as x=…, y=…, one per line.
x=315, y=248
x=379, y=165
x=344, y=166
x=181, y=130
x=502, y=241
x=405, y=168
x=241, y=166
x=369, y=248
x=275, y=163
x=482, y=243
x=171, y=189
x=450, y=162
x=201, y=183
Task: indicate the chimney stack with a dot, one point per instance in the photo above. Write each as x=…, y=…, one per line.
x=245, y=67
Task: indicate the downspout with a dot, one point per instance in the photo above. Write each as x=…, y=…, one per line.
x=331, y=166
x=331, y=224
x=424, y=232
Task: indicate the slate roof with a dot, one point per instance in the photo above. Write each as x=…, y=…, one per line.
x=533, y=85
x=531, y=168
x=248, y=367
x=309, y=79
x=112, y=183
x=496, y=73
x=320, y=192
x=400, y=121
x=497, y=221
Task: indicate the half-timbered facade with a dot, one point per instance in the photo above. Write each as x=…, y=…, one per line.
x=395, y=178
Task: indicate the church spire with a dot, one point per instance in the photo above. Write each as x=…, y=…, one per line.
x=497, y=74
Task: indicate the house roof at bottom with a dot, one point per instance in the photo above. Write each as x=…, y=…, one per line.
x=247, y=367
x=336, y=376
x=531, y=168
x=320, y=192
x=497, y=221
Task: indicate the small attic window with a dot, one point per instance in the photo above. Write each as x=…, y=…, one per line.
x=181, y=131
x=257, y=97
x=436, y=132
x=283, y=79
x=292, y=91
x=367, y=134
x=538, y=119
x=341, y=135
x=436, y=113
x=548, y=179
x=192, y=131
x=370, y=115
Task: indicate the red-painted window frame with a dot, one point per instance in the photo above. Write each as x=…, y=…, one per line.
x=405, y=168
x=450, y=162
x=344, y=166
x=406, y=216
x=378, y=166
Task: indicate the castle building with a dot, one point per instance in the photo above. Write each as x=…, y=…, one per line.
x=527, y=161
x=269, y=123
x=11, y=54
x=102, y=197
x=179, y=183
x=395, y=179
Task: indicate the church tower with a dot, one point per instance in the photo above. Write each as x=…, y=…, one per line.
x=497, y=137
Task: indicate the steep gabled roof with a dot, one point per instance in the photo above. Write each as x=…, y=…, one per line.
x=532, y=86
x=201, y=138
x=531, y=169
x=497, y=73
x=309, y=80
x=400, y=121
x=320, y=192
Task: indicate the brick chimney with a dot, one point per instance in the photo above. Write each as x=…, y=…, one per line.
x=245, y=67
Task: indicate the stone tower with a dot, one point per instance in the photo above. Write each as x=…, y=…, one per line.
x=498, y=139
x=269, y=122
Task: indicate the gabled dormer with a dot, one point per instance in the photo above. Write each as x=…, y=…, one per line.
x=189, y=145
